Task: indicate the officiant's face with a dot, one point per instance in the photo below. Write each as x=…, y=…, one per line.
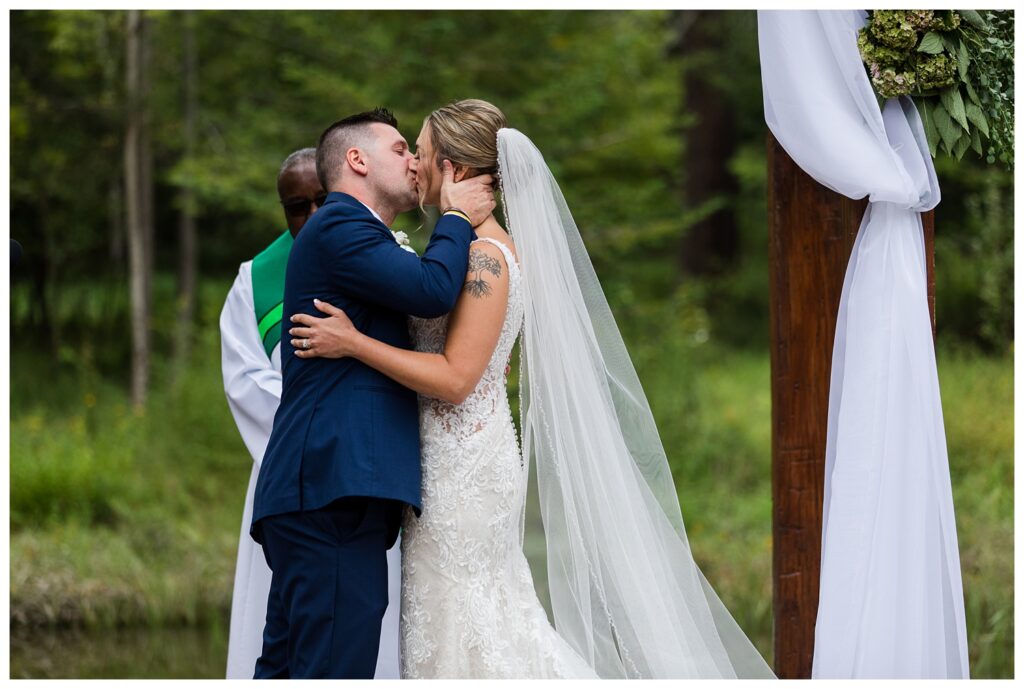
x=301, y=194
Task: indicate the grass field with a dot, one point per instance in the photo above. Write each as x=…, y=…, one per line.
x=123, y=521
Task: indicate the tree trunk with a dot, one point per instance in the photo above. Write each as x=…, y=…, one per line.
x=187, y=257
x=146, y=169
x=138, y=205
x=710, y=244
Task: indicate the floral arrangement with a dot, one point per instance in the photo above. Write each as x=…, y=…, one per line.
x=957, y=65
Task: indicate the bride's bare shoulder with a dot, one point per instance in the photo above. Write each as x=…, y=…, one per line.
x=492, y=230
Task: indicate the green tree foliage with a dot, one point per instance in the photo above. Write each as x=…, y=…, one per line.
x=593, y=89
x=601, y=93
x=66, y=89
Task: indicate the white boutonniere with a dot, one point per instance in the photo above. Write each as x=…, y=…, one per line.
x=403, y=240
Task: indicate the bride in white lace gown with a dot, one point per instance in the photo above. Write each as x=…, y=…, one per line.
x=627, y=598
x=469, y=608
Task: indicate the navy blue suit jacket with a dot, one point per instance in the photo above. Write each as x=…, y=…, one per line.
x=342, y=428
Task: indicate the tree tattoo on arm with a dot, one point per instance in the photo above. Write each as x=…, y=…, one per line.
x=479, y=262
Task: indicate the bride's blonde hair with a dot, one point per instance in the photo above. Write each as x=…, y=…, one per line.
x=466, y=133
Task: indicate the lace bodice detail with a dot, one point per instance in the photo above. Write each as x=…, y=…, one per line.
x=469, y=608
x=429, y=335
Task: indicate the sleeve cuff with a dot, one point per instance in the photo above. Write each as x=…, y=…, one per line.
x=462, y=216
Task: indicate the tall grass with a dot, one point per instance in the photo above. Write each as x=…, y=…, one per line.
x=121, y=519
x=977, y=402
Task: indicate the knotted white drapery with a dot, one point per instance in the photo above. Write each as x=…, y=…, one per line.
x=891, y=597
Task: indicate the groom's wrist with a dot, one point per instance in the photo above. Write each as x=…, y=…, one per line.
x=452, y=210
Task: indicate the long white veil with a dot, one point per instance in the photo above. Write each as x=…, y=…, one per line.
x=625, y=590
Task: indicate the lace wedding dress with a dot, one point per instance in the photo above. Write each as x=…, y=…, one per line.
x=469, y=607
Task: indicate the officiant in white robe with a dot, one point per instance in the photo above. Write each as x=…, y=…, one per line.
x=250, y=326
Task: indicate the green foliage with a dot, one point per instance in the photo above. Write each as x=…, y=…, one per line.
x=738, y=300
x=959, y=73
x=600, y=92
x=995, y=96
x=66, y=471
x=977, y=399
x=65, y=152
x=120, y=519
x=287, y=75
x=974, y=256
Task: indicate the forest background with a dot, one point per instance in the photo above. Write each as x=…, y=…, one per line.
x=162, y=132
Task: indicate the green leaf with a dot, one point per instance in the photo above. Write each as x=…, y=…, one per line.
x=962, y=144
x=977, y=118
x=954, y=104
x=971, y=93
x=949, y=132
x=976, y=140
x=973, y=18
x=931, y=44
x=930, y=132
x=963, y=60
x=949, y=42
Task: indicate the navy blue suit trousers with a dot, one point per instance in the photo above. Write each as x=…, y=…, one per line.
x=329, y=589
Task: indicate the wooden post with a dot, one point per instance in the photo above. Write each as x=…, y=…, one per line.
x=811, y=233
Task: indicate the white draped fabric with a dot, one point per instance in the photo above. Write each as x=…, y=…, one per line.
x=891, y=598
x=252, y=383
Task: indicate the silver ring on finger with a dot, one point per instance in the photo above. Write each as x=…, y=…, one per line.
x=305, y=343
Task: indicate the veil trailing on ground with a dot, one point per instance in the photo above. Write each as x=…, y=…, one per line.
x=625, y=590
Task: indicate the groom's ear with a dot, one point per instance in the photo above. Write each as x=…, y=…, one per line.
x=356, y=161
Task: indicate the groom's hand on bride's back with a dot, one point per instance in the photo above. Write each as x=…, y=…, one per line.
x=473, y=196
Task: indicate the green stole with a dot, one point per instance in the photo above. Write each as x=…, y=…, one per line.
x=268, y=289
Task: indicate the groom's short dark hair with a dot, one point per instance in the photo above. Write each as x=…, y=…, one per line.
x=343, y=135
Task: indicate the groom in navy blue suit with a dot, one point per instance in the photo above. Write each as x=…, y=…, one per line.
x=344, y=456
